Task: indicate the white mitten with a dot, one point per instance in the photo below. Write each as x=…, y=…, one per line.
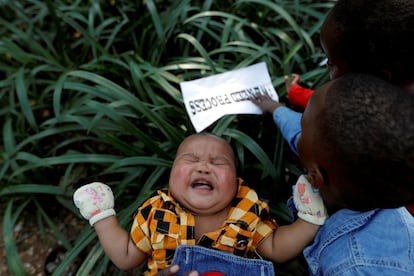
x=95, y=201
x=308, y=202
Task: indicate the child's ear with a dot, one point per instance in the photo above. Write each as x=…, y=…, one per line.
x=316, y=177
x=386, y=74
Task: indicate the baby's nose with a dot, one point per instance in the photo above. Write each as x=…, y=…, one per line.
x=203, y=167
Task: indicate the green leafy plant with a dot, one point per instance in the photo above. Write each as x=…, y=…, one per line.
x=89, y=91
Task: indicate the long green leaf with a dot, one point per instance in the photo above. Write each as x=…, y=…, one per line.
x=14, y=262
x=156, y=20
x=28, y=188
x=22, y=94
x=255, y=149
x=192, y=40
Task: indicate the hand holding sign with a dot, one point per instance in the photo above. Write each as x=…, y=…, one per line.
x=208, y=99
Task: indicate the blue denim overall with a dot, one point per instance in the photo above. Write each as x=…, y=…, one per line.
x=194, y=257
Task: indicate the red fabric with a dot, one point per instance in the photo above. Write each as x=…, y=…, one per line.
x=299, y=96
x=410, y=208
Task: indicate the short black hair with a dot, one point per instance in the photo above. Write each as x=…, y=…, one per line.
x=367, y=128
x=374, y=35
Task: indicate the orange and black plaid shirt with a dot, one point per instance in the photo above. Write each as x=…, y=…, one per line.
x=161, y=225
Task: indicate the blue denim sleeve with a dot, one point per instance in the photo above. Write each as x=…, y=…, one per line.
x=288, y=122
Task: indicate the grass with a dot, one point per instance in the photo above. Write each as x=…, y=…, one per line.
x=89, y=90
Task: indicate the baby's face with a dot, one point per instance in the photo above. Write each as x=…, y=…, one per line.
x=203, y=177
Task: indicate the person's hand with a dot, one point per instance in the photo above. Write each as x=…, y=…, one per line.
x=172, y=270
x=291, y=82
x=95, y=201
x=265, y=103
x=308, y=202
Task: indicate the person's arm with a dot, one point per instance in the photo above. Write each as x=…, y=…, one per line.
x=286, y=119
x=297, y=95
x=265, y=103
x=118, y=244
x=288, y=241
x=288, y=122
x=96, y=204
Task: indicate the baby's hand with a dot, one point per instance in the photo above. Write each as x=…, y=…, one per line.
x=289, y=83
x=95, y=201
x=308, y=202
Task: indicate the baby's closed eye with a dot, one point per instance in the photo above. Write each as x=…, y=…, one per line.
x=220, y=161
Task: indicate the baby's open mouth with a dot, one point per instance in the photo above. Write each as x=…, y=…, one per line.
x=202, y=184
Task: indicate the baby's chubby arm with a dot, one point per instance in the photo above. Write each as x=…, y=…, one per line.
x=118, y=244
x=96, y=202
x=288, y=241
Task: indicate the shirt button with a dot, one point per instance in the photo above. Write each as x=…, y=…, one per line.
x=241, y=243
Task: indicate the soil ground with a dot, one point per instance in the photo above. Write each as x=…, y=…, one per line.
x=35, y=246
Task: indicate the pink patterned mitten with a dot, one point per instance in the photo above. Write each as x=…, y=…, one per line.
x=308, y=202
x=95, y=201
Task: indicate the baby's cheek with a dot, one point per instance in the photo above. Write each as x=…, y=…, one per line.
x=178, y=177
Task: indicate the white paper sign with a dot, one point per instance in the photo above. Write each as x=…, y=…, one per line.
x=208, y=99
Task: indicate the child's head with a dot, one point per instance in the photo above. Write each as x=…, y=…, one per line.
x=357, y=143
x=203, y=177
x=371, y=36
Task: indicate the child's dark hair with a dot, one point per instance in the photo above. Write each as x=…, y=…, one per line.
x=367, y=129
x=377, y=35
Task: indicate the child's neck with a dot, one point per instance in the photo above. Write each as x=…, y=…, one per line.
x=209, y=223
